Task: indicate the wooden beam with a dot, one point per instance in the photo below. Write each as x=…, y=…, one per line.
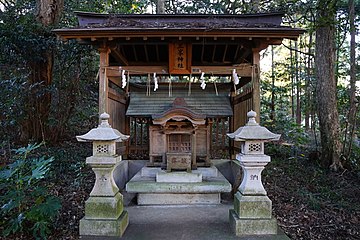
x=225, y=51
x=103, y=81
x=137, y=70
x=119, y=57
x=202, y=53
x=256, y=83
x=243, y=70
x=157, y=53
x=242, y=56
x=134, y=51
x=146, y=53
x=184, y=33
x=213, y=53
x=116, y=96
x=238, y=47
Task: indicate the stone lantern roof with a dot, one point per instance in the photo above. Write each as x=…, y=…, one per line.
x=104, y=132
x=253, y=131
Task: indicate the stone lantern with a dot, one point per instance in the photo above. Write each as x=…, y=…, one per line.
x=252, y=208
x=104, y=214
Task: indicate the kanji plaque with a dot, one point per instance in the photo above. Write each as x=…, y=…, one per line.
x=180, y=58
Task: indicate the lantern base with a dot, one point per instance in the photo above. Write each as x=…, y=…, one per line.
x=245, y=226
x=101, y=227
x=252, y=207
x=104, y=207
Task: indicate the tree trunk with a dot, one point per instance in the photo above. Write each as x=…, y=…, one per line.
x=255, y=4
x=160, y=7
x=49, y=11
x=326, y=85
x=308, y=97
x=352, y=91
x=292, y=82
x=35, y=127
x=272, y=107
x=298, y=84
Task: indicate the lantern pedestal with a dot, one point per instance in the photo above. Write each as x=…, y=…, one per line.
x=247, y=226
x=104, y=210
x=252, y=208
x=104, y=214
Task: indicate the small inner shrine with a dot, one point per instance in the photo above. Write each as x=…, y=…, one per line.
x=178, y=128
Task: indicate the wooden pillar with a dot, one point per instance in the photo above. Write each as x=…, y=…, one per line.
x=103, y=80
x=193, y=150
x=256, y=83
x=208, y=139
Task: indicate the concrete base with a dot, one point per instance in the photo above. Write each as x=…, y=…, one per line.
x=243, y=227
x=178, y=177
x=176, y=199
x=101, y=227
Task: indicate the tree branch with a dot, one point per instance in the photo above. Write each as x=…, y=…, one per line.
x=296, y=50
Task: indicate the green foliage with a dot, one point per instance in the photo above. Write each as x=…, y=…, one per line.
x=25, y=203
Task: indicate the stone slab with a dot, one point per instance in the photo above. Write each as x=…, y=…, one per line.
x=101, y=227
x=140, y=184
x=176, y=177
x=103, y=160
x=150, y=171
x=253, y=207
x=201, y=187
x=176, y=199
x=243, y=227
x=207, y=172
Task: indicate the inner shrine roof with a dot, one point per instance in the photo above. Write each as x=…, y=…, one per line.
x=204, y=102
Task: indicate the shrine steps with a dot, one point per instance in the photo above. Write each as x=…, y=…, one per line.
x=176, y=188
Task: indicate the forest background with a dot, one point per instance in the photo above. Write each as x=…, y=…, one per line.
x=49, y=94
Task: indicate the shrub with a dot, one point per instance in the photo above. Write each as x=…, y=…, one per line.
x=26, y=205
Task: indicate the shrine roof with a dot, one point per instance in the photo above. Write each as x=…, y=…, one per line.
x=116, y=25
x=204, y=102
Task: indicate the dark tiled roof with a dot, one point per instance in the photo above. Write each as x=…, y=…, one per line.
x=184, y=21
x=204, y=102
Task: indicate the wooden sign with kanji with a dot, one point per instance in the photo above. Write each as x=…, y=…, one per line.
x=179, y=58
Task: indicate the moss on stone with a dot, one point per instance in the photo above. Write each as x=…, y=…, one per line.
x=99, y=227
x=253, y=207
x=104, y=207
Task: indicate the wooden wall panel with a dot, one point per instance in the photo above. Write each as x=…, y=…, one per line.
x=116, y=105
x=201, y=141
x=242, y=104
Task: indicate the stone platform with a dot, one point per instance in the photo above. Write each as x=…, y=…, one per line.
x=175, y=189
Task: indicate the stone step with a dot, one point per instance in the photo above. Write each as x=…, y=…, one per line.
x=140, y=184
x=177, y=199
x=173, y=177
x=177, y=188
x=206, y=172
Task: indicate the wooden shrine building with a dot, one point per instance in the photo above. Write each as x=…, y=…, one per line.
x=178, y=83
